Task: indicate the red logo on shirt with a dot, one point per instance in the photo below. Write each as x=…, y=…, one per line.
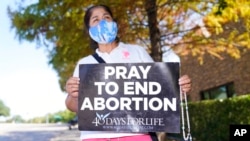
x=125, y=54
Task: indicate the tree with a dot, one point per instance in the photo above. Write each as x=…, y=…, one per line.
x=154, y=23
x=62, y=116
x=228, y=30
x=4, y=110
x=17, y=119
x=154, y=32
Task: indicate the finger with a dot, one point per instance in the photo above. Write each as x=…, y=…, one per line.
x=75, y=85
x=73, y=91
x=74, y=88
x=184, y=80
x=74, y=94
x=187, y=85
x=75, y=79
x=72, y=82
x=186, y=88
x=184, y=77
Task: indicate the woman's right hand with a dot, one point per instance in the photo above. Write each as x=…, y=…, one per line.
x=72, y=86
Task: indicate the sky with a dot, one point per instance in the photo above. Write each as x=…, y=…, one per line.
x=28, y=84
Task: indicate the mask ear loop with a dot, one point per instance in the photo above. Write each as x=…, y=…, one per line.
x=188, y=136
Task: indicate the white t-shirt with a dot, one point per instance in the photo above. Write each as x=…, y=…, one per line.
x=124, y=53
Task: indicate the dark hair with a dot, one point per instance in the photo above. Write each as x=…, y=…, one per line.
x=88, y=13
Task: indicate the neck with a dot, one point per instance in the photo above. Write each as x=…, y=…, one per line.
x=107, y=48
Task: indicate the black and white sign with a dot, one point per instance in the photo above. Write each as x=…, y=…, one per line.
x=129, y=97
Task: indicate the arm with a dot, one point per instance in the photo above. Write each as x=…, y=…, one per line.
x=72, y=87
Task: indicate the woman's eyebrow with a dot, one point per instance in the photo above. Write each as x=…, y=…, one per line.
x=94, y=17
x=106, y=14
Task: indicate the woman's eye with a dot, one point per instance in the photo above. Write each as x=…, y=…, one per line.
x=108, y=18
x=95, y=21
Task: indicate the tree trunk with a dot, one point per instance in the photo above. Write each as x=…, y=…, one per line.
x=154, y=32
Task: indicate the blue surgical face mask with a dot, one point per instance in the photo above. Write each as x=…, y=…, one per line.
x=103, y=33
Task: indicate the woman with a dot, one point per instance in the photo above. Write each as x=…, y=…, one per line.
x=103, y=32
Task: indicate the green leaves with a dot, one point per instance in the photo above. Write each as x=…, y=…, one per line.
x=211, y=119
x=188, y=27
x=4, y=110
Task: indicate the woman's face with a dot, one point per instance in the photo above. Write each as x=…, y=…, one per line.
x=98, y=14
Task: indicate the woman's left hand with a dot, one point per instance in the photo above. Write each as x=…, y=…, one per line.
x=185, y=83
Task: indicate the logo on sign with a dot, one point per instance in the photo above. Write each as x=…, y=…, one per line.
x=100, y=119
x=103, y=119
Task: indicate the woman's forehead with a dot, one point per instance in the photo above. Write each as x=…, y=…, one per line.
x=99, y=11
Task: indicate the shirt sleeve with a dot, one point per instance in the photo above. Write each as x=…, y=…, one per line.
x=170, y=56
x=145, y=57
x=76, y=71
x=86, y=60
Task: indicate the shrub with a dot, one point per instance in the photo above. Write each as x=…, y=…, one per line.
x=210, y=120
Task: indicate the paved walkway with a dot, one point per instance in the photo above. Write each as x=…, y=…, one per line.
x=37, y=132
